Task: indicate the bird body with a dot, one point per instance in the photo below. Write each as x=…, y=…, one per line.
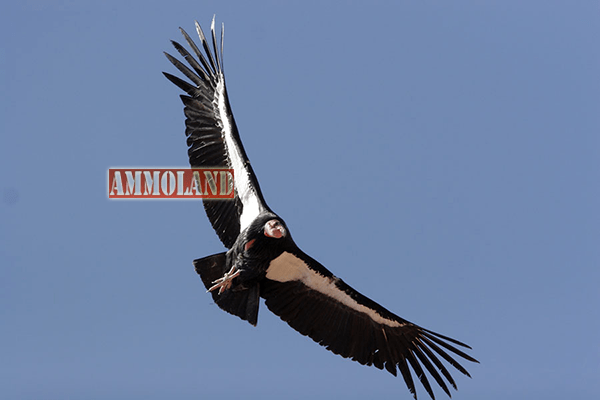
x=263, y=260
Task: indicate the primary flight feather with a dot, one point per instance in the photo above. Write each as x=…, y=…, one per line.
x=263, y=260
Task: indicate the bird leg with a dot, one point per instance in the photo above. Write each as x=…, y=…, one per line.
x=224, y=283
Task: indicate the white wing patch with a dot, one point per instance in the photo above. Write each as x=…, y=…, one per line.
x=288, y=267
x=252, y=207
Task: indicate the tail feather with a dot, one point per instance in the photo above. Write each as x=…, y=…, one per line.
x=239, y=300
x=211, y=268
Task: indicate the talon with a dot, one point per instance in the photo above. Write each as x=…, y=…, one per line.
x=224, y=283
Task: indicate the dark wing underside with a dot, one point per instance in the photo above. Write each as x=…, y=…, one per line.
x=212, y=135
x=323, y=307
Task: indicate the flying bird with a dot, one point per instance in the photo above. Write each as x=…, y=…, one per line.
x=263, y=261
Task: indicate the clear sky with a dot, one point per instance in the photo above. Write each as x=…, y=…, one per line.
x=443, y=159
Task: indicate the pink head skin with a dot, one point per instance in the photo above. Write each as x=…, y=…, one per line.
x=274, y=229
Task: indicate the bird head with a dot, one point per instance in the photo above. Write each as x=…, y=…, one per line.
x=268, y=234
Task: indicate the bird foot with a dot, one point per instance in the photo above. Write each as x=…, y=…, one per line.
x=224, y=283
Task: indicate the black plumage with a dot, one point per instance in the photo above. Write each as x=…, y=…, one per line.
x=263, y=261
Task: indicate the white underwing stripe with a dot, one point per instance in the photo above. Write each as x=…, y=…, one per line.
x=243, y=187
x=288, y=267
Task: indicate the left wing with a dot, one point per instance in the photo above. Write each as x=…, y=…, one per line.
x=314, y=302
x=212, y=135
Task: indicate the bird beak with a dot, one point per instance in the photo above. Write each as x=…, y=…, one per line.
x=274, y=229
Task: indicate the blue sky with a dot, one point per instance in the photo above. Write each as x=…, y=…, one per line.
x=441, y=159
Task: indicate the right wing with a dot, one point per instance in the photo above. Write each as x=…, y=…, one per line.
x=212, y=135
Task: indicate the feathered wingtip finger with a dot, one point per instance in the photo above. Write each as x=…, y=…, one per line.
x=214, y=40
x=196, y=51
x=222, y=39
x=206, y=65
x=206, y=46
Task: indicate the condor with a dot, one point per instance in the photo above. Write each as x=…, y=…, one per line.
x=263, y=260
